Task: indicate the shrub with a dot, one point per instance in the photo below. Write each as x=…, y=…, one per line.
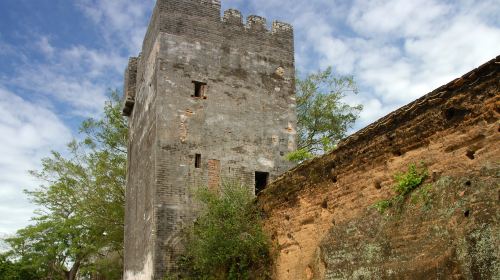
x=227, y=240
x=405, y=184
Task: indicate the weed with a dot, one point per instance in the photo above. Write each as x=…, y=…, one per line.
x=406, y=183
x=423, y=196
x=382, y=205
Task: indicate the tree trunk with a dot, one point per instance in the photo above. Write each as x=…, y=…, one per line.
x=71, y=275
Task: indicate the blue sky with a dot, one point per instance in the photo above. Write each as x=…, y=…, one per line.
x=58, y=58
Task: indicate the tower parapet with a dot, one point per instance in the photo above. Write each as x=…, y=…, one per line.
x=282, y=28
x=201, y=19
x=256, y=23
x=233, y=16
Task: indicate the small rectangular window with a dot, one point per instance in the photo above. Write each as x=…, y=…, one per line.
x=261, y=181
x=199, y=89
x=197, y=161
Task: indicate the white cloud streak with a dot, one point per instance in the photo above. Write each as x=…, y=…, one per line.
x=29, y=131
x=120, y=21
x=77, y=76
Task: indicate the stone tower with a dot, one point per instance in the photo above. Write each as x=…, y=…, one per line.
x=208, y=98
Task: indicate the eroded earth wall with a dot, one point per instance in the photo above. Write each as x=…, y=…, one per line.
x=320, y=214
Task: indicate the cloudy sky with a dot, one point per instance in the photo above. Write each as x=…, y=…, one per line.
x=59, y=58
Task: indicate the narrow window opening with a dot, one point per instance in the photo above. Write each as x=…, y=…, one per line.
x=261, y=181
x=199, y=89
x=197, y=161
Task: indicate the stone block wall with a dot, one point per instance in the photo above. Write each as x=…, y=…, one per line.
x=214, y=100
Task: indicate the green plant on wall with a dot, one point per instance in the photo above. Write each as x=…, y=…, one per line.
x=423, y=195
x=406, y=183
x=410, y=180
x=382, y=205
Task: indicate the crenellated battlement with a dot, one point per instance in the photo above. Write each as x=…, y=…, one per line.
x=233, y=16
x=210, y=10
x=282, y=28
x=256, y=23
x=197, y=6
x=202, y=19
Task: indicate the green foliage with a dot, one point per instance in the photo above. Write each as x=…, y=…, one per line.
x=423, y=195
x=81, y=200
x=109, y=266
x=227, y=240
x=299, y=155
x=406, y=183
x=382, y=205
x=17, y=270
x=322, y=118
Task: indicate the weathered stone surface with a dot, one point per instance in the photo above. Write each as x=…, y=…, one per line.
x=243, y=120
x=320, y=217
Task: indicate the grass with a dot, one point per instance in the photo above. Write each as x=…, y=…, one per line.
x=406, y=183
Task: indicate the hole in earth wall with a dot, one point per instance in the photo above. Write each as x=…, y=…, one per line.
x=470, y=154
x=467, y=213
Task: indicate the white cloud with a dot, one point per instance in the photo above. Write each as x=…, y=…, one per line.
x=96, y=62
x=76, y=76
x=124, y=21
x=29, y=131
x=45, y=47
x=395, y=18
x=81, y=96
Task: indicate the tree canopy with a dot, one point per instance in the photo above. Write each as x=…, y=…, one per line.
x=323, y=119
x=79, y=221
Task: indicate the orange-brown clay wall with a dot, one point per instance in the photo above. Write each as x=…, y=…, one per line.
x=319, y=214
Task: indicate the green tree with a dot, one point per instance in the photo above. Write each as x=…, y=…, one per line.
x=17, y=270
x=323, y=119
x=227, y=240
x=81, y=201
